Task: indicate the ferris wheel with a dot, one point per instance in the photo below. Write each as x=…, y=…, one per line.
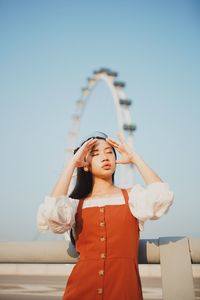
x=122, y=109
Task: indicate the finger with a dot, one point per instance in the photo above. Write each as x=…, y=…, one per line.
x=89, y=148
x=113, y=142
x=87, y=145
x=91, y=142
x=121, y=137
x=119, y=161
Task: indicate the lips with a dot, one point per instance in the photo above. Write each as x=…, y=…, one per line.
x=106, y=166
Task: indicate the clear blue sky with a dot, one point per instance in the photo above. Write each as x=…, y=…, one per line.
x=49, y=48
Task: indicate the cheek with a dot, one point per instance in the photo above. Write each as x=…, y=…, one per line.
x=94, y=162
x=113, y=158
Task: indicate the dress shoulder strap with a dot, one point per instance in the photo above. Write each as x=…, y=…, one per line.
x=80, y=204
x=125, y=194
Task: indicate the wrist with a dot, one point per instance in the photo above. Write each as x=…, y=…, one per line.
x=134, y=158
x=73, y=163
x=70, y=166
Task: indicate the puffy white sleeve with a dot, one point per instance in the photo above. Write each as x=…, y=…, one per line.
x=61, y=210
x=150, y=202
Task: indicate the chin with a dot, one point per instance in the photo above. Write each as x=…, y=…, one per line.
x=107, y=173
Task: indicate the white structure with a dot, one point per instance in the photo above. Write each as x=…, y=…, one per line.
x=121, y=105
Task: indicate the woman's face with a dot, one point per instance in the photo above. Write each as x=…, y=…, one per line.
x=101, y=159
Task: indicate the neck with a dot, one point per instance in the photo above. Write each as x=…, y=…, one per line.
x=101, y=186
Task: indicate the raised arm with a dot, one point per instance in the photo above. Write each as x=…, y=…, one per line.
x=152, y=201
x=58, y=210
x=128, y=156
x=148, y=175
x=62, y=185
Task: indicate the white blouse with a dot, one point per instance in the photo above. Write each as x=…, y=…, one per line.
x=146, y=203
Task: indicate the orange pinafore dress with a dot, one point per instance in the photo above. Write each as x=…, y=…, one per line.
x=107, y=239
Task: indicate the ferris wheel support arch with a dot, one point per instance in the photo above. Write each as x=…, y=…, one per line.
x=122, y=107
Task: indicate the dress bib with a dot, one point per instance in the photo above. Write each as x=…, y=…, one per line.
x=107, y=239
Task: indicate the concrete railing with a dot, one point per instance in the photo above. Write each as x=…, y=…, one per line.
x=174, y=254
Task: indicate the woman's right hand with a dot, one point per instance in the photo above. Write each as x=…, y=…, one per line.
x=80, y=157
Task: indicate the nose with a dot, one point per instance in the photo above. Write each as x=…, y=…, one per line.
x=104, y=158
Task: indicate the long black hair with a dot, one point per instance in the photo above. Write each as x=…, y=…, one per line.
x=84, y=183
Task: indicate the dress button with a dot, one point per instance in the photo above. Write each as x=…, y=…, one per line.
x=100, y=291
x=103, y=255
x=101, y=223
x=101, y=272
x=101, y=209
x=102, y=238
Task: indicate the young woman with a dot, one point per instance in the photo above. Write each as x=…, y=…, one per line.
x=104, y=220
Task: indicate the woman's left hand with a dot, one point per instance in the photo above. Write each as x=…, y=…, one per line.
x=127, y=154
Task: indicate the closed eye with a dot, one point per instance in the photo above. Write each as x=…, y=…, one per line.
x=110, y=152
